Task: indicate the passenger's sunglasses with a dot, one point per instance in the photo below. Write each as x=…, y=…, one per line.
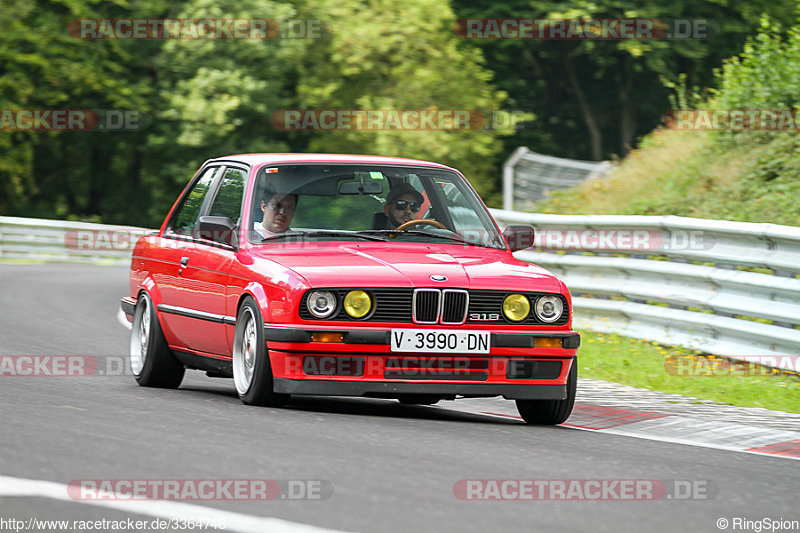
x=401, y=206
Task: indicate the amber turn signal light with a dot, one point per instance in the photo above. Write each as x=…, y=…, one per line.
x=548, y=342
x=320, y=336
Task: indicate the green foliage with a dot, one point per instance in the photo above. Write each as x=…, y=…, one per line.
x=766, y=75
x=402, y=56
x=751, y=176
x=626, y=82
x=205, y=98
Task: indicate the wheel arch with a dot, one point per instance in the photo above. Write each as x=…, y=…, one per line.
x=149, y=286
x=257, y=292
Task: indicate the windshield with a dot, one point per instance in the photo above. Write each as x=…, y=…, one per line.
x=368, y=202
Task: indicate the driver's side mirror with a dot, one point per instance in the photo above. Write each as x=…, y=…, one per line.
x=217, y=229
x=519, y=237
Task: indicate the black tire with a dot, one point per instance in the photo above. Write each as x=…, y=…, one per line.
x=152, y=362
x=418, y=399
x=252, y=373
x=551, y=412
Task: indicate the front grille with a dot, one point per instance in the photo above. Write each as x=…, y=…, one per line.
x=396, y=306
x=426, y=306
x=454, y=306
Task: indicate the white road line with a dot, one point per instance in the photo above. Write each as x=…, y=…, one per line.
x=124, y=321
x=12, y=486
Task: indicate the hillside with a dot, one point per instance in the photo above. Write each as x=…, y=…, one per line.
x=751, y=176
x=692, y=173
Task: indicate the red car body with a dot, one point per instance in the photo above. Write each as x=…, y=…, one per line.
x=197, y=288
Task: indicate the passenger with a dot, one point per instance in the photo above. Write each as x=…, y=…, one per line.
x=278, y=212
x=402, y=205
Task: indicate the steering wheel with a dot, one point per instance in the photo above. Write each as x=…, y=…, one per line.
x=418, y=221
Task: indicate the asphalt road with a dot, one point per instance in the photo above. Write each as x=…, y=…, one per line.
x=390, y=467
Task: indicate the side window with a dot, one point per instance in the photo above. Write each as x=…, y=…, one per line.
x=464, y=216
x=228, y=202
x=185, y=218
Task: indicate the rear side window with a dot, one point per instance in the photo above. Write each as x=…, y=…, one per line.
x=228, y=202
x=185, y=219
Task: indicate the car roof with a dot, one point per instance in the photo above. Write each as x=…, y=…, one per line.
x=262, y=159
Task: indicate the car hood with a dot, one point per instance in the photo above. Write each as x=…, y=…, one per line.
x=409, y=265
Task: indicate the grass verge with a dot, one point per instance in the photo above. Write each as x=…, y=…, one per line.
x=677, y=370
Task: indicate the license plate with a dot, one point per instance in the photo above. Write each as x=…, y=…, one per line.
x=437, y=341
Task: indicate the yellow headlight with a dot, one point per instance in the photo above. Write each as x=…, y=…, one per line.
x=516, y=307
x=357, y=304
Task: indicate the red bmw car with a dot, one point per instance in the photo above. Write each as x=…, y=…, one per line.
x=343, y=275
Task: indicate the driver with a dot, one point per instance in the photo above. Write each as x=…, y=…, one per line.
x=402, y=205
x=278, y=212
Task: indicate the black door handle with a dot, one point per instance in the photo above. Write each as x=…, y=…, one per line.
x=184, y=260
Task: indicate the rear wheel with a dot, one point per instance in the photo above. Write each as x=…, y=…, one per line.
x=252, y=373
x=152, y=362
x=551, y=412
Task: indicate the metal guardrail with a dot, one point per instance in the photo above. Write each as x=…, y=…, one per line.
x=33, y=239
x=693, y=284
x=714, y=306
x=528, y=177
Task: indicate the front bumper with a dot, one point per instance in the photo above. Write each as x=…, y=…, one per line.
x=363, y=364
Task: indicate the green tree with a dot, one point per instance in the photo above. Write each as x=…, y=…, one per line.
x=383, y=54
x=593, y=99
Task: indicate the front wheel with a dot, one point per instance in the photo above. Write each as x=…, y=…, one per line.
x=551, y=412
x=152, y=362
x=252, y=373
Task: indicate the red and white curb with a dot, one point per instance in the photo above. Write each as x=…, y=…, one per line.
x=660, y=427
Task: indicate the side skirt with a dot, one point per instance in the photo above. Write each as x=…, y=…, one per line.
x=209, y=364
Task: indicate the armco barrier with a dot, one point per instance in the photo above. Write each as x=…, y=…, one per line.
x=34, y=239
x=734, y=292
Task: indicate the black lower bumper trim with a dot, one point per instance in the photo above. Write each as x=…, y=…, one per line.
x=498, y=340
x=387, y=389
x=526, y=340
x=348, y=337
x=127, y=307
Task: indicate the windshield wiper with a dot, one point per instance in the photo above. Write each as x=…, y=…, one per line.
x=322, y=233
x=452, y=237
